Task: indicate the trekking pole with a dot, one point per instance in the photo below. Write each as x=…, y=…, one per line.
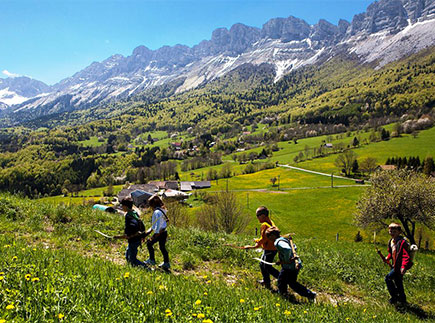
x=233, y=246
x=383, y=258
x=295, y=256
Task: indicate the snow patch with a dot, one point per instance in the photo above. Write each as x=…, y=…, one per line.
x=11, y=98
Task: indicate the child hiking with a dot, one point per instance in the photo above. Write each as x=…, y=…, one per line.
x=159, y=224
x=398, y=253
x=133, y=232
x=269, y=250
x=290, y=265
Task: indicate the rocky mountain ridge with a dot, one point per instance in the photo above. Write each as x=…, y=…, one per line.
x=387, y=31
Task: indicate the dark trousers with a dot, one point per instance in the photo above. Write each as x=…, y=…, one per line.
x=161, y=239
x=267, y=270
x=289, y=277
x=394, y=281
x=131, y=254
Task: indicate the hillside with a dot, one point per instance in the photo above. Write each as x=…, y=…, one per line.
x=53, y=255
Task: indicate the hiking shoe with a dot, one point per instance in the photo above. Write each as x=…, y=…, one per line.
x=150, y=262
x=312, y=297
x=165, y=265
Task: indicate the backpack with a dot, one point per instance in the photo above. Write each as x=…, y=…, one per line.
x=411, y=251
x=141, y=225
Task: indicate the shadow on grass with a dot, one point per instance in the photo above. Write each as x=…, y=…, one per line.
x=416, y=310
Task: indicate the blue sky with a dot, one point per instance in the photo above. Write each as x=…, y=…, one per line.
x=50, y=40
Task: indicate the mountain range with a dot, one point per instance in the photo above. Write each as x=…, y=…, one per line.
x=387, y=31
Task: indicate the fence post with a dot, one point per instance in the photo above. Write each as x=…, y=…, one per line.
x=336, y=237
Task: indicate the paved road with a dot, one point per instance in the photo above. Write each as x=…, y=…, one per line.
x=314, y=172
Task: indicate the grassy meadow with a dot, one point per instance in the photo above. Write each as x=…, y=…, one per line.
x=54, y=268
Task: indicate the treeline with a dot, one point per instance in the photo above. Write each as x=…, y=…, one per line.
x=427, y=166
x=212, y=159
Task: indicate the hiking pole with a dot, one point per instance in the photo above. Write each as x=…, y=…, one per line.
x=383, y=258
x=233, y=246
x=295, y=256
x=103, y=234
x=265, y=262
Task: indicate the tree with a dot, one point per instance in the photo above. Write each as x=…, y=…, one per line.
x=429, y=166
x=226, y=171
x=345, y=161
x=223, y=213
x=402, y=195
x=368, y=165
x=355, y=142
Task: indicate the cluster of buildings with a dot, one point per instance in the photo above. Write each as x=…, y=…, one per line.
x=167, y=189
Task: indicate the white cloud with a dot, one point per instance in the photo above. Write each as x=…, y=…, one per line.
x=9, y=74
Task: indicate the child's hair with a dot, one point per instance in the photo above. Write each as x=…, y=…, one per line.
x=155, y=201
x=395, y=226
x=262, y=210
x=273, y=231
x=128, y=202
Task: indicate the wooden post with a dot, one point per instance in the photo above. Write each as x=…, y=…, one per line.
x=336, y=237
x=332, y=180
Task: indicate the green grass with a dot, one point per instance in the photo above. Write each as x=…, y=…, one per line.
x=93, y=142
x=404, y=146
x=87, y=195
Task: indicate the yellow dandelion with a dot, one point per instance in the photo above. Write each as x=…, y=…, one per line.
x=207, y=321
x=277, y=304
x=7, y=245
x=56, y=261
x=257, y=308
x=149, y=292
x=162, y=287
x=117, y=278
x=127, y=274
x=35, y=279
x=305, y=312
x=1, y=278
x=168, y=311
x=198, y=302
x=60, y=316
x=347, y=318
x=2, y=273
x=2, y=321
x=27, y=277
x=205, y=293
x=10, y=307
x=365, y=310
x=374, y=316
x=168, y=314
x=242, y=300
x=208, y=281
x=14, y=258
x=286, y=312
x=205, y=276
x=194, y=314
x=201, y=316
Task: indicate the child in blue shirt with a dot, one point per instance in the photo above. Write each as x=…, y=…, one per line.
x=290, y=265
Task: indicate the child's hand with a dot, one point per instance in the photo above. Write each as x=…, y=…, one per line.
x=402, y=271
